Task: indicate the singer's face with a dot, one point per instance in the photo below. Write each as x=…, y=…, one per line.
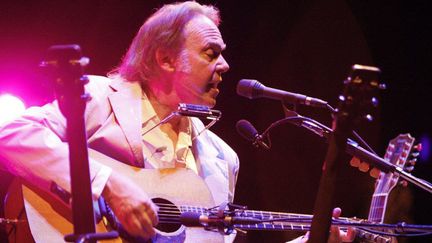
x=200, y=65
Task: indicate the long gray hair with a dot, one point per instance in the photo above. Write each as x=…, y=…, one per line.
x=163, y=29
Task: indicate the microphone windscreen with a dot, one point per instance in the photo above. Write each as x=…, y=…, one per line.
x=249, y=88
x=190, y=219
x=246, y=130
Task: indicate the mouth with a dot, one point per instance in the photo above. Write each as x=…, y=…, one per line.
x=213, y=91
x=213, y=86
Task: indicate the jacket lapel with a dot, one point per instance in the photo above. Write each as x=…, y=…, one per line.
x=213, y=167
x=126, y=104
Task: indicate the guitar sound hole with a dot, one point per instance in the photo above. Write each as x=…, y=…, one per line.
x=169, y=215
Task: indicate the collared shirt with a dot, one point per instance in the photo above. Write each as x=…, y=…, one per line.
x=158, y=148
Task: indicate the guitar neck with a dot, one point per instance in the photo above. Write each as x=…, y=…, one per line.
x=397, y=153
x=277, y=221
x=378, y=207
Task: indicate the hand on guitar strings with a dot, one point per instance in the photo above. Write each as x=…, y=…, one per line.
x=336, y=235
x=131, y=205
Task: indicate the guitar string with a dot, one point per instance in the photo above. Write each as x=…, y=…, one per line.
x=375, y=201
x=266, y=225
x=378, y=211
x=174, y=209
x=170, y=214
x=174, y=216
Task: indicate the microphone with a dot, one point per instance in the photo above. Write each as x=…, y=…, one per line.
x=197, y=219
x=248, y=132
x=253, y=89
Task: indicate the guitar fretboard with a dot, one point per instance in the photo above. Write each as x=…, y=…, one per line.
x=276, y=221
x=378, y=206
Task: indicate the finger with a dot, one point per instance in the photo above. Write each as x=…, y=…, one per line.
x=334, y=234
x=350, y=235
x=153, y=213
x=146, y=223
x=337, y=212
x=134, y=228
x=305, y=237
x=153, y=216
x=151, y=210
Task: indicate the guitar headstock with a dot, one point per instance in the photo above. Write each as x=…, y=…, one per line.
x=359, y=96
x=64, y=65
x=403, y=153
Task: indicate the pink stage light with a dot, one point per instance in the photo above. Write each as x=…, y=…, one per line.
x=10, y=107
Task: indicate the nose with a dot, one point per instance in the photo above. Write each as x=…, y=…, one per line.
x=222, y=65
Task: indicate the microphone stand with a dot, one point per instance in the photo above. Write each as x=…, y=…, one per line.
x=352, y=148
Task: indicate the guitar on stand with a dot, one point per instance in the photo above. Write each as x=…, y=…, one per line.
x=401, y=152
x=359, y=96
x=64, y=68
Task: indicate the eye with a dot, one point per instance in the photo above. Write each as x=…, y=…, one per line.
x=212, y=54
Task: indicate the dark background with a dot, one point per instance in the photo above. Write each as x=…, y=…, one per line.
x=299, y=46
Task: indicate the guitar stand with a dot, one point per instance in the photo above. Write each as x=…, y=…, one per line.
x=91, y=237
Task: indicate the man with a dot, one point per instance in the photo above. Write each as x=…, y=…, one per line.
x=175, y=58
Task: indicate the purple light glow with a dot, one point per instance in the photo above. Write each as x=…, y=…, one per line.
x=10, y=107
x=425, y=140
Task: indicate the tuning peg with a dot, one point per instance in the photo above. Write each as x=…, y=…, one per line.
x=84, y=79
x=403, y=183
x=86, y=97
x=368, y=117
x=418, y=147
x=374, y=102
x=414, y=155
x=412, y=162
x=83, y=61
x=409, y=168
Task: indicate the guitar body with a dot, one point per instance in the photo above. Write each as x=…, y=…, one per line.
x=49, y=219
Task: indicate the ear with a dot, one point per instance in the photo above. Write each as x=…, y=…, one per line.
x=165, y=60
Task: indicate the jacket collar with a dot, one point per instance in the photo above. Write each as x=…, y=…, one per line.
x=126, y=104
